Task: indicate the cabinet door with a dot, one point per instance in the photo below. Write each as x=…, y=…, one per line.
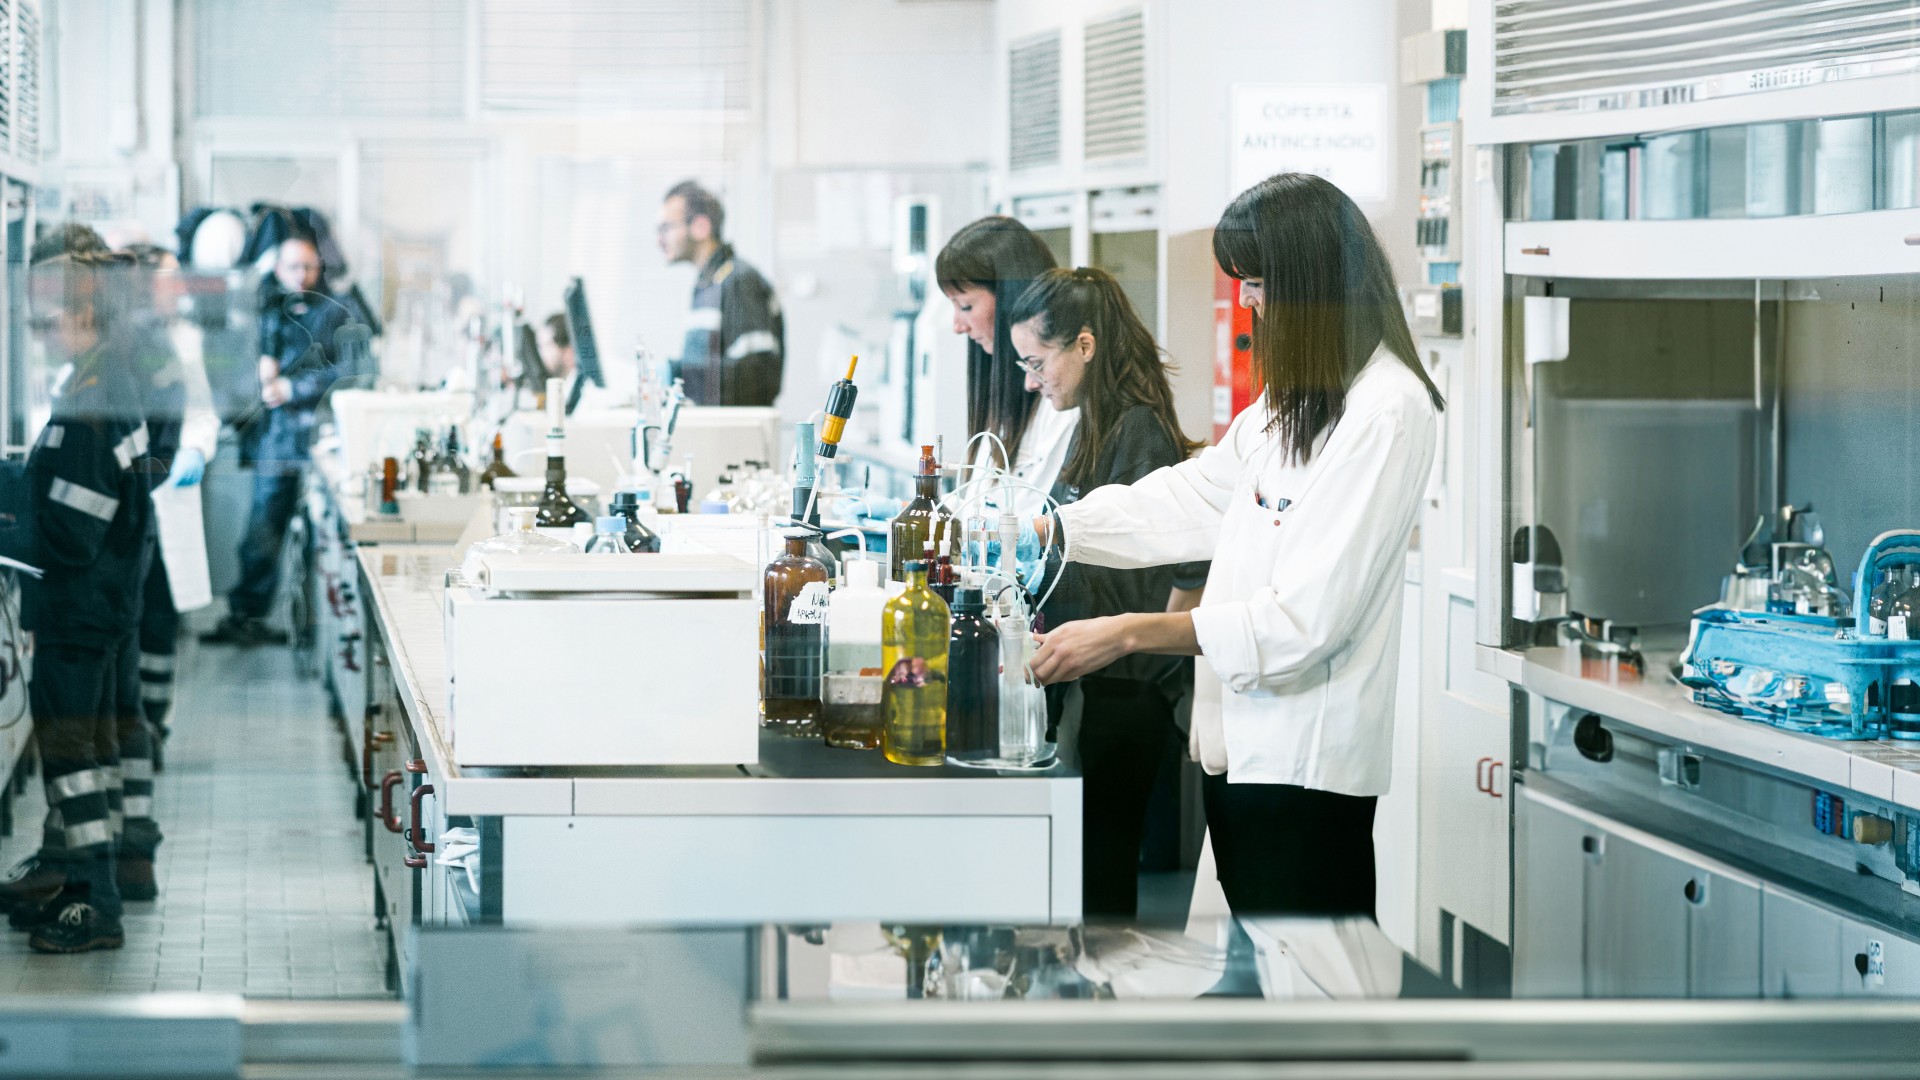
x=1723, y=934
x=1551, y=851
x=1464, y=789
x=1636, y=922
x=1800, y=948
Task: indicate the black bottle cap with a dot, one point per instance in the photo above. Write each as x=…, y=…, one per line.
x=968, y=600
x=626, y=498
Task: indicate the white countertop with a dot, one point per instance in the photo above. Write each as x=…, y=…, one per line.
x=794, y=776
x=367, y=528
x=1883, y=769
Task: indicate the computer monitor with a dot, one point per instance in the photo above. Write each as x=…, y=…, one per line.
x=586, y=354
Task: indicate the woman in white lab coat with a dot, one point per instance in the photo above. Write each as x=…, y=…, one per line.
x=983, y=270
x=1305, y=508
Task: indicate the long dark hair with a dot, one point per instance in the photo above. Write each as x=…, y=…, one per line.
x=1128, y=368
x=1003, y=257
x=1329, y=300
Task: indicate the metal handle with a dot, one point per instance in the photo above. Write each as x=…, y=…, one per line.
x=371, y=741
x=1493, y=779
x=1483, y=776
x=1911, y=239
x=1536, y=251
x=414, y=829
x=387, y=784
x=417, y=765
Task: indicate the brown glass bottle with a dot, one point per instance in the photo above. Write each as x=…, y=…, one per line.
x=557, y=511
x=922, y=520
x=389, y=486
x=794, y=621
x=496, y=468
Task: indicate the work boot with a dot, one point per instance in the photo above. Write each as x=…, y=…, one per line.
x=135, y=876
x=29, y=917
x=31, y=883
x=78, y=927
x=244, y=631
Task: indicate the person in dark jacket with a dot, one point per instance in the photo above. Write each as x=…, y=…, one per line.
x=301, y=358
x=736, y=336
x=91, y=475
x=1083, y=346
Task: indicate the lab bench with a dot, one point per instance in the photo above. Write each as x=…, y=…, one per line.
x=809, y=833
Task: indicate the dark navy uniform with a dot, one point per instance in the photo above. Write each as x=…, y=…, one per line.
x=91, y=478
x=298, y=330
x=736, y=336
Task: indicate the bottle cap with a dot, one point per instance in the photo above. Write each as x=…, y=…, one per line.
x=862, y=573
x=967, y=600
x=522, y=517
x=928, y=466
x=611, y=523
x=626, y=498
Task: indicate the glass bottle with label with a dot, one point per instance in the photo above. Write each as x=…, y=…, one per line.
x=557, y=510
x=922, y=520
x=914, y=631
x=496, y=468
x=794, y=624
x=973, y=682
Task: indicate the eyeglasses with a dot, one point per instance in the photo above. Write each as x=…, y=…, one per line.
x=1033, y=367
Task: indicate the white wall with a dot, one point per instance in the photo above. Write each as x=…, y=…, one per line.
x=109, y=124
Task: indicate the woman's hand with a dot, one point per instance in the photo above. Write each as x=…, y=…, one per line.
x=1080, y=647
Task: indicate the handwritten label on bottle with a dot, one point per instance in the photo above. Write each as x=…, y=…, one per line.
x=1897, y=627
x=810, y=607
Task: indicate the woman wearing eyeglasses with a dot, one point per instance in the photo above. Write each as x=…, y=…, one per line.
x=1082, y=347
x=982, y=271
x=1305, y=508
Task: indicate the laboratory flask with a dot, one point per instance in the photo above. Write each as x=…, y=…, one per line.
x=914, y=630
x=1025, y=742
x=973, y=682
x=923, y=520
x=794, y=617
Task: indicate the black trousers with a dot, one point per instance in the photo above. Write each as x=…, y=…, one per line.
x=1126, y=727
x=1285, y=850
x=159, y=629
x=276, y=498
x=75, y=716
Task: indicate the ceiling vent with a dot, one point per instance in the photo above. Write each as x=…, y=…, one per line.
x=1033, y=96
x=1116, y=126
x=1589, y=55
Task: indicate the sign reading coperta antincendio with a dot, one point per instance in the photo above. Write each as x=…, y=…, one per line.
x=1336, y=131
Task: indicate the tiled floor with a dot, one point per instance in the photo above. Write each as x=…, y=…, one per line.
x=264, y=887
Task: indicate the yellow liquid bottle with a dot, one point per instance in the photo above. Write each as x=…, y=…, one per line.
x=914, y=630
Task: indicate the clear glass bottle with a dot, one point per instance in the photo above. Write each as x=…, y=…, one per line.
x=519, y=539
x=453, y=460
x=609, y=536
x=496, y=468
x=973, y=682
x=921, y=520
x=794, y=624
x=1893, y=583
x=557, y=510
x=639, y=538
x=914, y=631
x=422, y=459
x=1024, y=741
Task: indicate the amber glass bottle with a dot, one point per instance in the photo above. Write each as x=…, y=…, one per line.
x=496, y=468
x=914, y=631
x=795, y=623
x=923, y=519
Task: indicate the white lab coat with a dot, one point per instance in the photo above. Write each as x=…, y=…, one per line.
x=1301, y=619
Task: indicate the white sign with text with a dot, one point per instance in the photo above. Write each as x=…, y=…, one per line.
x=1335, y=131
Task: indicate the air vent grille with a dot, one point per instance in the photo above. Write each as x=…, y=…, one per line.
x=1617, y=54
x=1033, y=73
x=1116, y=108
x=22, y=81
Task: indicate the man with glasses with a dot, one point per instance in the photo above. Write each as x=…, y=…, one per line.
x=736, y=336
x=299, y=362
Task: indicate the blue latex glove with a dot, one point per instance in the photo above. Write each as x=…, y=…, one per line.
x=189, y=466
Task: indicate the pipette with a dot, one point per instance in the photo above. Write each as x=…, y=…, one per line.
x=833, y=425
x=839, y=407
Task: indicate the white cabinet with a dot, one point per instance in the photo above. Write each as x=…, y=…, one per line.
x=1396, y=834
x=1465, y=776
x=1808, y=951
